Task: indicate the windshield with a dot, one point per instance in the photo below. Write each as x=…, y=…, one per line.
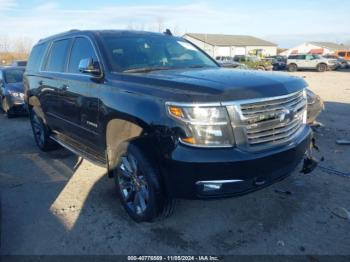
x=14, y=76
x=153, y=52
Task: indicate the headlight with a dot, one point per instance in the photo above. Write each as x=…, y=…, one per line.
x=204, y=126
x=311, y=97
x=16, y=94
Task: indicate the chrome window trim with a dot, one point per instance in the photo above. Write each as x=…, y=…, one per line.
x=72, y=38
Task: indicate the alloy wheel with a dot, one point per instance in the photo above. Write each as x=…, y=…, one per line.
x=4, y=105
x=133, y=185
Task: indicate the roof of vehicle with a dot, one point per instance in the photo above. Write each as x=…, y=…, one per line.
x=302, y=54
x=230, y=40
x=98, y=32
x=331, y=46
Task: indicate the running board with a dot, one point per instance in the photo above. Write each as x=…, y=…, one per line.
x=79, y=149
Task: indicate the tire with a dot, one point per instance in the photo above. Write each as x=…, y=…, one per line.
x=41, y=133
x=139, y=188
x=292, y=67
x=321, y=68
x=6, y=109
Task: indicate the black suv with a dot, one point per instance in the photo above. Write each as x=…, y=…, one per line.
x=163, y=117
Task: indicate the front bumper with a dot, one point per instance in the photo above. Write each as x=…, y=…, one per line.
x=197, y=173
x=16, y=105
x=333, y=66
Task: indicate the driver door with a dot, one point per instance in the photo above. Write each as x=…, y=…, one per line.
x=309, y=62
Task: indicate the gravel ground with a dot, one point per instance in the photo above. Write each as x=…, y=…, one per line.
x=56, y=203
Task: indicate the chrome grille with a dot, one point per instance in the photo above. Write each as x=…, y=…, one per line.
x=263, y=123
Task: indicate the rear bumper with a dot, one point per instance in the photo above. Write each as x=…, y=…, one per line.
x=210, y=173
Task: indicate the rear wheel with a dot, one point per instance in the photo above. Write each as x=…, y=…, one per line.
x=321, y=68
x=138, y=187
x=41, y=132
x=292, y=67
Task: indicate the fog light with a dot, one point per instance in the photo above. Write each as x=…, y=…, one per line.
x=211, y=187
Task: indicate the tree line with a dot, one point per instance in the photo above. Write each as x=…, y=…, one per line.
x=12, y=49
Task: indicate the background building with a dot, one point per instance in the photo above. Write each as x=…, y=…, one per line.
x=231, y=45
x=321, y=48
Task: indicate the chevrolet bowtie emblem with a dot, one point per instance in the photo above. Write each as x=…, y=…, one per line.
x=286, y=114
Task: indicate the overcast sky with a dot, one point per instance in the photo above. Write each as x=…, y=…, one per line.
x=286, y=23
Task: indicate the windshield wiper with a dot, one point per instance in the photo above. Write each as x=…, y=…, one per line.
x=145, y=69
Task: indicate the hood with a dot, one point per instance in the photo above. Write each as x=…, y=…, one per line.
x=16, y=87
x=216, y=84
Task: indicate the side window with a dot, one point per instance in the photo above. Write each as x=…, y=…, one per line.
x=348, y=54
x=1, y=75
x=341, y=54
x=36, y=57
x=58, y=56
x=309, y=57
x=82, y=49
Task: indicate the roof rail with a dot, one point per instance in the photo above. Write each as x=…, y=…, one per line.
x=59, y=34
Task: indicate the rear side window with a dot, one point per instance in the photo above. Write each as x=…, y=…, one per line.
x=36, y=57
x=82, y=49
x=58, y=55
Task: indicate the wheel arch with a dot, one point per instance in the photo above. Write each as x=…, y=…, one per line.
x=34, y=104
x=122, y=131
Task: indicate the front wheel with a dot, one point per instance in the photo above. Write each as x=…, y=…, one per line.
x=322, y=68
x=138, y=187
x=292, y=67
x=6, y=108
x=41, y=132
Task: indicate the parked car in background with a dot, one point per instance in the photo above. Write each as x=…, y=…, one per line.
x=342, y=63
x=253, y=62
x=278, y=62
x=20, y=63
x=315, y=106
x=310, y=61
x=344, y=54
x=12, y=90
x=224, y=59
x=228, y=62
x=164, y=119
x=234, y=65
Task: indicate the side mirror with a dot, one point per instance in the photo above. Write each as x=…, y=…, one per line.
x=88, y=66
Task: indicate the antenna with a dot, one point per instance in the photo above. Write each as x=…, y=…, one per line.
x=168, y=32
